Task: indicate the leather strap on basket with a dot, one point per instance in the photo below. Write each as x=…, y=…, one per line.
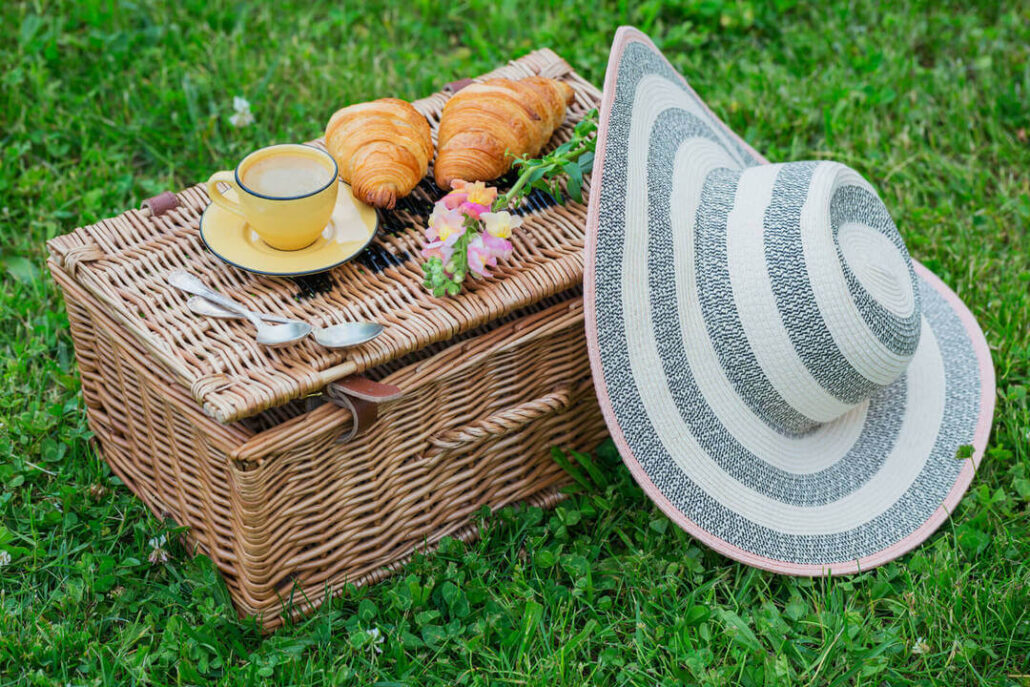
x=455, y=86
x=160, y=204
x=361, y=397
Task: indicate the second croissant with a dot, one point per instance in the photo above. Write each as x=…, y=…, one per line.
x=484, y=122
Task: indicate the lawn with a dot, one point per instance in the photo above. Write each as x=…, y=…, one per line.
x=106, y=103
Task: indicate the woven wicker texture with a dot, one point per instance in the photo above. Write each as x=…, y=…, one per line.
x=122, y=262
x=285, y=511
x=490, y=381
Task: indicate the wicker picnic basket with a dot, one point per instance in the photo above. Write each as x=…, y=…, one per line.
x=238, y=443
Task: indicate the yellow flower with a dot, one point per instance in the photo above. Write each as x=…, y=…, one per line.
x=501, y=223
x=477, y=192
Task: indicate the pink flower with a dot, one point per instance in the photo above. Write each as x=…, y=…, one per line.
x=443, y=247
x=499, y=248
x=453, y=200
x=480, y=257
x=473, y=199
x=445, y=223
x=438, y=249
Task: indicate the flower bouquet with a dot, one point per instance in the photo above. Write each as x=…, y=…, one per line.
x=470, y=227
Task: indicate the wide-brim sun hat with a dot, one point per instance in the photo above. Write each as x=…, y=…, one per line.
x=778, y=374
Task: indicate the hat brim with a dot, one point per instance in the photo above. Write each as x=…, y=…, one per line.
x=673, y=469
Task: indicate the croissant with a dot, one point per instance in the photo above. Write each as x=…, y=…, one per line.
x=483, y=121
x=382, y=148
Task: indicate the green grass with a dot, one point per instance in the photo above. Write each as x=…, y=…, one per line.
x=104, y=104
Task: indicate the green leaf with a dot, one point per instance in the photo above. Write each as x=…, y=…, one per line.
x=574, y=171
x=796, y=608
x=1022, y=487
x=22, y=269
x=563, y=462
x=433, y=635
x=739, y=630
x=455, y=599
x=367, y=610
x=696, y=615
x=545, y=558
x=575, y=189
x=537, y=174
x=541, y=185
x=570, y=647
x=972, y=541
x=530, y=621
x=596, y=474
x=104, y=583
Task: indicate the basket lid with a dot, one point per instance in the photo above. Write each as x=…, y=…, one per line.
x=123, y=262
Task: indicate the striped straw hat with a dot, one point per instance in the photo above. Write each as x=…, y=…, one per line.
x=780, y=377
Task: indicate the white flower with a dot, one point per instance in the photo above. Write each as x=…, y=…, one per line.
x=377, y=639
x=501, y=223
x=243, y=115
x=157, y=542
x=5, y=559
x=921, y=647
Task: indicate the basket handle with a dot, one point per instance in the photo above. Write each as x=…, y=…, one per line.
x=361, y=396
x=507, y=421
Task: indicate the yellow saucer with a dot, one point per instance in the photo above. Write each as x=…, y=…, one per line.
x=351, y=228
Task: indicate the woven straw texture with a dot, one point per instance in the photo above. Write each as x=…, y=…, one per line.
x=490, y=380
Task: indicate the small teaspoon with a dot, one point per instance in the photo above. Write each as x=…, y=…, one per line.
x=267, y=335
x=342, y=335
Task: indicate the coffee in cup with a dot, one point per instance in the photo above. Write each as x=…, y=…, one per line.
x=286, y=193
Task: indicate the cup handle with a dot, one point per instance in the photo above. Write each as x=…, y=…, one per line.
x=219, y=198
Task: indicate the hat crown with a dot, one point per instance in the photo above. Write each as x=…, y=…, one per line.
x=825, y=291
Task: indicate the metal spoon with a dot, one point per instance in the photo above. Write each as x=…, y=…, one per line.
x=348, y=334
x=202, y=306
x=337, y=336
x=278, y=335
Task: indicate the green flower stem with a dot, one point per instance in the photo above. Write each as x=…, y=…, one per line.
x=557, y=161
x=543, y=173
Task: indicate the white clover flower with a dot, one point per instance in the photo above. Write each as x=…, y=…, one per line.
x=5, y=559
x=921, y=647
x=158, y=554
x=377, y=639
x=243, y=115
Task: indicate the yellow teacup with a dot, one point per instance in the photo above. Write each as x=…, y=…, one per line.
x=286, y=193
